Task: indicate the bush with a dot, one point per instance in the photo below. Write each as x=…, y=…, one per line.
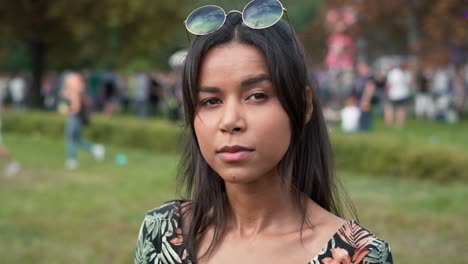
x=374, y=154
x=151, y=134
x=385, y=155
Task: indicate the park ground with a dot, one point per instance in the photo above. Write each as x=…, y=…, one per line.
x=92, y=215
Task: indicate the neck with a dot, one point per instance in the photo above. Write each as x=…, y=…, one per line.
x=260, y=207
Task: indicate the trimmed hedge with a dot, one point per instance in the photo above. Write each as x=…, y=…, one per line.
x=385, y=155
x=151, y=134
x=362, y=153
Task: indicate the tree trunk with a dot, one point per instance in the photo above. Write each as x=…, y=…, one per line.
x=38, y=52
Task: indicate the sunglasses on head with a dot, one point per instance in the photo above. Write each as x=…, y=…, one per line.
x=257, y=14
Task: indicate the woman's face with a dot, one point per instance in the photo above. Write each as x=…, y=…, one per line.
x=242, y=129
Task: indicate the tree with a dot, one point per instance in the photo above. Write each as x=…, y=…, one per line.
x=71, y=33
x=427, y=29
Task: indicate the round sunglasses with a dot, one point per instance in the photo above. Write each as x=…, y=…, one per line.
x=257, y=14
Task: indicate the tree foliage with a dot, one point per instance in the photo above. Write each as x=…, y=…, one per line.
x=76, y=32
x=66, y=33
x=111, y=32
x=429, y=29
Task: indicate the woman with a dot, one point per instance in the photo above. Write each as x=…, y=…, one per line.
x=399, y=82
x=74, y=107
x=256, y=167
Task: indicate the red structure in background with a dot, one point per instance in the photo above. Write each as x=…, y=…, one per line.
x=341, y=46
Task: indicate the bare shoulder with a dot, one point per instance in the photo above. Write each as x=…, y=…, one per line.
x=321, y=227
x=323, y=219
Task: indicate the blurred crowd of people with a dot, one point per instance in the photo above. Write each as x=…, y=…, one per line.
x=394, y=89
x=78, y=93
x=142, y=93
x=350, y=98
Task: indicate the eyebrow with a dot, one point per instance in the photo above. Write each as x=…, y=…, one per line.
x=255, y=80
x=209, y=89
x=245, y=83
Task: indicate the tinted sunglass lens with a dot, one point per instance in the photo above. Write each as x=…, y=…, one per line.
x=260, y=14
x=205, y=20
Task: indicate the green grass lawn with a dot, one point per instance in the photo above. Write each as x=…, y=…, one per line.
x=92, y=215
x=429, y=132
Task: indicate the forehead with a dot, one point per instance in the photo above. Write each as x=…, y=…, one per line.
x=231, y=62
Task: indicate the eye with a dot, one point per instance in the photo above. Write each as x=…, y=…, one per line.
x=257, y=96
x=210, y=101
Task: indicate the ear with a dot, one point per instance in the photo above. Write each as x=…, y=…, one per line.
x=310, y=105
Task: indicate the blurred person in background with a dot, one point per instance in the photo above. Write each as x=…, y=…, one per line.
x=77, y=108
x=94, y=80
x=47, y=90
x=363, y=91
x=124, y=93
x=141, y=83
x=155, y=95
x=4, y=79
x=109, y=92
x=399, y=95
x=11, y=167
x=442, y=92
x=17, y=89
x=351, y=115
x=460, y=88
x=423, y=102
x=380, y=97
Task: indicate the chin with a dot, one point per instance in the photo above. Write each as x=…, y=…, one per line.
x=237, y=178
x=241, y=175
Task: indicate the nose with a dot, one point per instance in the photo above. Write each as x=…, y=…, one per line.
x=232, y=119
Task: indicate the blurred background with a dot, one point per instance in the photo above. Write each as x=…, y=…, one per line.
x=392, y=77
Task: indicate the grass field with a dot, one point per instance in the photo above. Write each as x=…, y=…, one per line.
x=428, y=131
x=92, y=215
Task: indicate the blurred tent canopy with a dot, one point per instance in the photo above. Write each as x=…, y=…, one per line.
x=177, y=59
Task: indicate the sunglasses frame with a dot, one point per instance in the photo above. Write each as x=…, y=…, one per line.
x=284, y=12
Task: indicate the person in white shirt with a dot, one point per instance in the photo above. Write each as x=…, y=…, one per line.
x=141, y=96
x=18, y=91
x=399, y=95
x=350, y=115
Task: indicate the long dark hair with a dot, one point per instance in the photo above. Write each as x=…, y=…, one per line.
x=309, y=153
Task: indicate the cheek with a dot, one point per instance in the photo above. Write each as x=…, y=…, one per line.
x=203, y=134
x=275, y=135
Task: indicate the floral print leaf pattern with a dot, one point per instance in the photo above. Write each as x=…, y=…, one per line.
x=169, y=253
x=353, y=244
x=354, y=235
x=160, y=241
x=360, y=254
x=379, y=253
x=142, y=250
x=339, y=255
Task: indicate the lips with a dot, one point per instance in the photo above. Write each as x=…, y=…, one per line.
x=234, y=153
x=233, y=149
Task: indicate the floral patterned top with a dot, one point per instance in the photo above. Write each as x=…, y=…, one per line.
x=160, y=241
